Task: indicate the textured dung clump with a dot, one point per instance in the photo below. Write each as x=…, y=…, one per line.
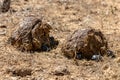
x=32, y=34
x=86, y=42
x=4, y=5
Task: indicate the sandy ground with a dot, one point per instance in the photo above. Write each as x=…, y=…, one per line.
x=64, y=16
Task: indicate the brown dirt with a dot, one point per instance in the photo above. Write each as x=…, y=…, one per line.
x=64, y=16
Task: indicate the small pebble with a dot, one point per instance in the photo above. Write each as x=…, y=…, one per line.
x=110, y=53
x=61, y=70
x=96, y=57
x=78, y=56
x=45, y=48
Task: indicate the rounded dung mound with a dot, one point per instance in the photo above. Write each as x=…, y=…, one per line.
x=86, y=42
x=31, y=35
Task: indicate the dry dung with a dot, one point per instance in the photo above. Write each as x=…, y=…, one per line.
x=32, y=34
x=86, y=42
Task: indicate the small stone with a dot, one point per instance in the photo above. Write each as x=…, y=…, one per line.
x=45, y=48
x=79, y=56
x=96, y=57
x=110, y=53
x=61, y=71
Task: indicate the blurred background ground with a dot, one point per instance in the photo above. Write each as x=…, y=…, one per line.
x=64, y=16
